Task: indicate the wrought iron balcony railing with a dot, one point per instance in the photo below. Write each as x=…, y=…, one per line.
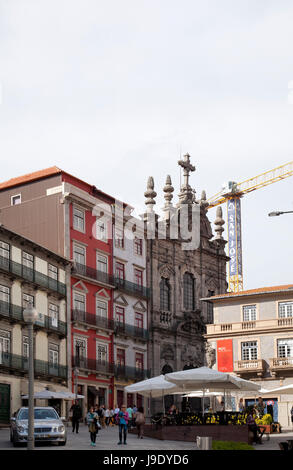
x=131, y=330
x=131, y=288
x=14, y=313
x=94, y=274
x=14, y=362
x=32, y=275
x=133, y=373
x=94, y=365
x=92, y=319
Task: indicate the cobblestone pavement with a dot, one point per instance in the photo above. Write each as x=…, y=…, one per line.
x=107, y=439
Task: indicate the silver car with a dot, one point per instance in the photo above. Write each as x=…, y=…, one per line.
x=49, y=427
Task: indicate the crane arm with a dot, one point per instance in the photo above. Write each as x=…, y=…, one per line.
x=251, y=184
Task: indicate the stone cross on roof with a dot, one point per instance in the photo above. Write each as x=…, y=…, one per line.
x=186, y=193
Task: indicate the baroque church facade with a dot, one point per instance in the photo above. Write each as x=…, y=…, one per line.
x=179, y=278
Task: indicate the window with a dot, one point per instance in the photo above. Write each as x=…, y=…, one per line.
x=285, y=348
x=4, y=297
x=15, y=199
x=4, y=255
x=210, y=313
x=138, y=277
x=120, y=357
x=78, y=219
x=80, y=349
x=164, y=295
x=138, y=320
x=249, y=313
x=53, y=355
x=188, y=291
x=249, y=351
x=28, y=265
x=101, y=308
x=25, y=347
x=120, y=315
x=102, y=353
x=102, y=263
x=27, y=299
x=138, y=246
x=285, y=309
x=53, y=315
x=119, y=238
x=53, y=272
x=4, y=345
x=101, y=230
x=79, y=302
x=79, y=254
x=139, y=361
x=120, y=270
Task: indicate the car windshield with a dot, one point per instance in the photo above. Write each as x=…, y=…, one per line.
x=39, y=414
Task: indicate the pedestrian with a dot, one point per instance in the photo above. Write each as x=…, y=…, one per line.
x=101, y=413
x=130, y=416
x=76, y=416
x=107, y=416
x=123, y=423
x=260, y=407
x=92, y=421
x=252, y=426
x=112, y=417
x=140, y=421
x=241, y=405
x=116, y=411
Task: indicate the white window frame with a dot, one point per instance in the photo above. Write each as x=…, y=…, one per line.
x=251, y=348
x=4, y=250
x=81, y=247
x=98, y=258
x=77, y=226
x=13, y=198
x=287, y=347
x=100, y=353
x=249, y=312
x=75, y=293
x=99, y=300
x=99, y=231
x=5, y=292
x=52, y=271
x=54, y=314
x=285, y=309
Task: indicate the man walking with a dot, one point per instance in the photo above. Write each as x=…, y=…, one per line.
x=76, y=416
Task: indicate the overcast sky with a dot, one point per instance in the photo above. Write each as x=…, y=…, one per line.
x=115, y=91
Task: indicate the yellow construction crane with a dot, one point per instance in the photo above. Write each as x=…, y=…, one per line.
x=232, y=194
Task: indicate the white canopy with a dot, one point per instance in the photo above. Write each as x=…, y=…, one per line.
x=206, y=378
x=48, y=395
x=285, y=390
x=201, y=394
x=152, y=388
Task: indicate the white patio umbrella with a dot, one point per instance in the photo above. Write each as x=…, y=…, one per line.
x=70, y=396
x=206, y=378
x=153, y=388
x=44, y=395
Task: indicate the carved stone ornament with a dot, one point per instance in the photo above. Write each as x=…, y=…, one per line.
x=167, y=353
x=210, y=355
x=192, y=354
x=166, y=271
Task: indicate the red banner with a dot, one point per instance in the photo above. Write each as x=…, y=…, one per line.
x=225, y=355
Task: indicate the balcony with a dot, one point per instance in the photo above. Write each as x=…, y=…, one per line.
x=253, y=367
x=14, y=363
x=14, y=314
x=257, y=326
x=131, y=288
x=93, y=365
x=93, y=274
x=124, y=329
x=132, y=373
x=281, y=364
x=92, y=320
x=32, y=276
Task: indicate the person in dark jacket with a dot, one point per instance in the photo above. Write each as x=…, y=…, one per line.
x=76, y=416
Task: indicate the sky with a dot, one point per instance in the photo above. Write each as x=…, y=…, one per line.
x=114, y=92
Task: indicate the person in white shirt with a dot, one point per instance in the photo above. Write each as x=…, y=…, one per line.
x=107, y=417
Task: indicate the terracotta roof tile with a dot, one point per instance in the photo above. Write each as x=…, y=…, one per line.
x=260, y=290
x=54, y=170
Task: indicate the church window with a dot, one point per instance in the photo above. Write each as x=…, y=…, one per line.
x=164, y=294
x=188, y=291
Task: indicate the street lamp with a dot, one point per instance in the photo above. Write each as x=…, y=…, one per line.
x=274, y=214
x=76, y=372
x=30, y=315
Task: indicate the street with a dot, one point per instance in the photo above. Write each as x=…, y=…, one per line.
x=107, y=439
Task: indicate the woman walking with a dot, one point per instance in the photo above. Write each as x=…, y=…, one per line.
x=123, y=424
x=92, y=421
x=140, y=421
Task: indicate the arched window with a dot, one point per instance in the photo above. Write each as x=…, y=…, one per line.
x=188, y=291
x=164, y=295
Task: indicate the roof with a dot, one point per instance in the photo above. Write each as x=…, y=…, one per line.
x=250, y=292
x=54, y=170
x=47, y=172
